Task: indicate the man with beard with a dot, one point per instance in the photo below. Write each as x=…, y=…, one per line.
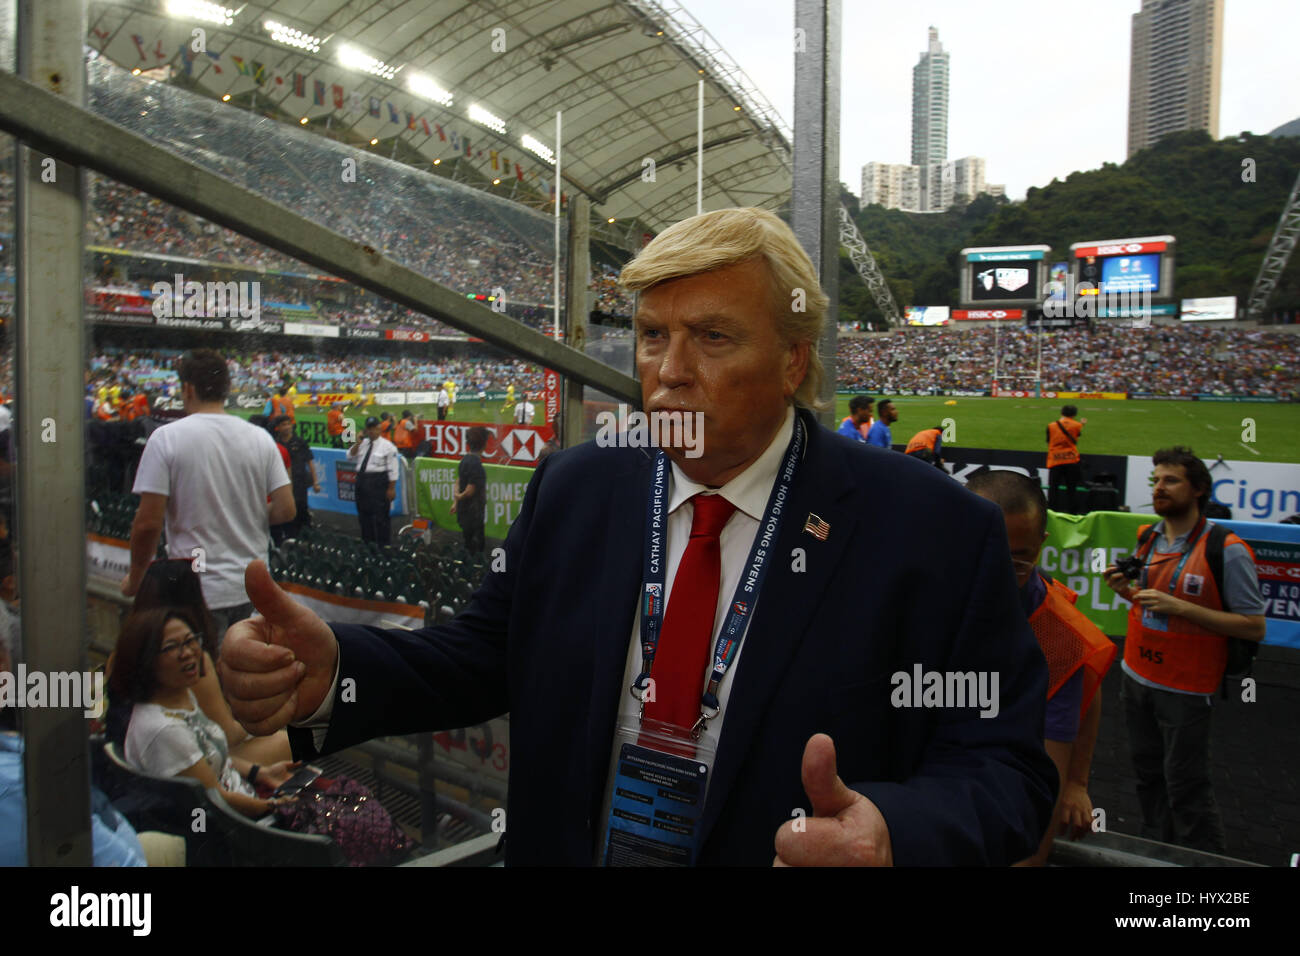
x=1197, y=587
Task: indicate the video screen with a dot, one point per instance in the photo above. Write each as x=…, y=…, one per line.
x=1000, y=281
x=1131, y=273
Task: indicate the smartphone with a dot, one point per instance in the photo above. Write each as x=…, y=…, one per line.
x=301, y=779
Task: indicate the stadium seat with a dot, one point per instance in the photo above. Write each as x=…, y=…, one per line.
x=252, y=844
x=169, y=805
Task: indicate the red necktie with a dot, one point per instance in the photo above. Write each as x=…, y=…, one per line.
x=685, y=642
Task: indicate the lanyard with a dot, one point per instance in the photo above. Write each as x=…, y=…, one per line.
x=737, y=620
x=1178, y=568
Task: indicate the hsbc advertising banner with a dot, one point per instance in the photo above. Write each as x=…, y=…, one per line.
x=507, y=444
x=996, y=315
x=406, y=335
x=551, y=406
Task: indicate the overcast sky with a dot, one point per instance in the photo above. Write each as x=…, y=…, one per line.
x=1037, y=92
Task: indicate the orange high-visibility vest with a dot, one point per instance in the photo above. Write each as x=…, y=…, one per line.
x=403, y=437
x=1060, y=450
x=923, y=439
x=1070, y=641
x=334, y=422
x=282, y=406
x=1176, y=652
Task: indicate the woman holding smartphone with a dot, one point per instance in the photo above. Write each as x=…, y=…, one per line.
x=158, y=660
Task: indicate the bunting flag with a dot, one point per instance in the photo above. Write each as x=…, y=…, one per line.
x=259, y=73
x=441, y=135
x=187, y=59
x=410, y=120
x=158, y=53
x=374, y=107
x=493, y=154
x=519, y=173
x=214, y=57
x=299, y=85
x=139, y=45
x=318, y=92
x=240, y=66
x=425, y=124
x=468, y=151
x=455, y=141
x=338, y=96
x=392, y=112
x=356, y=102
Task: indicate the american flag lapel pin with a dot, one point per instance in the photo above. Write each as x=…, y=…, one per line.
x=816, y=527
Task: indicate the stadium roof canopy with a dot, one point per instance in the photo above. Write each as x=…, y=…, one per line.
x=624, y=72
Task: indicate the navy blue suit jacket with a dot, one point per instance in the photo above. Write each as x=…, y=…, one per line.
x=915, y=569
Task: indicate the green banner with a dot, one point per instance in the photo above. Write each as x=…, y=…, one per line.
x=1079, y=548
x=435, y=484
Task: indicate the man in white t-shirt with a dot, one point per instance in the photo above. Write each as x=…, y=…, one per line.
x=444, y=401
x=216, y=484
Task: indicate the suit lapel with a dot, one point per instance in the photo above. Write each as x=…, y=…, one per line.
x=619, y=575
x=785, y=605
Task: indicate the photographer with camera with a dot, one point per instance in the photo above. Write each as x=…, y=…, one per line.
x=1196, y=587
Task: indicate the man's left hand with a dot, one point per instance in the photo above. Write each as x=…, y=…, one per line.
x=845, y=828
x=391, y=493
x=1162, y=602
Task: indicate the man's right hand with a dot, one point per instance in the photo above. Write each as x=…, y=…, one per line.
x=1118, y=582
x=277, y=666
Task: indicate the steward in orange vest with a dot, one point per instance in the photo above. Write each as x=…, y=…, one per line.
x=334, y=426
x=281, y=404
x=1070, y=641
x=927, y=445
x=1063, y=442
x=1168, y=648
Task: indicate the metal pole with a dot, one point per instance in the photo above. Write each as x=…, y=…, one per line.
x=815, y=190
x=699, y=150
x=997, y=326
x=50, y=450
x=558, y=194
x=1038, y=382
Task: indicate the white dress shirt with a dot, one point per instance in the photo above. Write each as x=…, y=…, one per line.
x=749, y=492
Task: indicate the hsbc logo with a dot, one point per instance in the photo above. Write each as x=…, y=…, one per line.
x=520, y=444
x=1117, y=250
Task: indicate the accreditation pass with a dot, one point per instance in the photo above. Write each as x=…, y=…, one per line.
x=656, y=806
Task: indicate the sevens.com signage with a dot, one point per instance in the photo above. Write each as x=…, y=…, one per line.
x=506, y=444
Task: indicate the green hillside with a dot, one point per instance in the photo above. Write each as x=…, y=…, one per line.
x=1188, y=186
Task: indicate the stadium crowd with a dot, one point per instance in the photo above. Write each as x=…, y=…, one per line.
x=1162, y=360
x=117, y=374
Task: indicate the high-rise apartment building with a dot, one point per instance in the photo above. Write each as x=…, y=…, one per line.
x=933, y=187
x=1175, y=65
x=930, y=105
x=932, y=183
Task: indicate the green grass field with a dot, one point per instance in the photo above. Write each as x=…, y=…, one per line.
x=1016, y=424
x=1114, y=427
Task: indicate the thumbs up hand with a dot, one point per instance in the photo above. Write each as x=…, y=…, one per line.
x=845, y=828
x=277, y=666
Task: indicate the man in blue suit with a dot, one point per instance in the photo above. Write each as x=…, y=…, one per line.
x=898, y=721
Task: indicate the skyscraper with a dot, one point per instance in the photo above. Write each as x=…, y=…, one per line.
x=930, y=105
x=1175, y=65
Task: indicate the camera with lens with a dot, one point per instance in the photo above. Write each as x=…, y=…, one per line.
x=1130, y=567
